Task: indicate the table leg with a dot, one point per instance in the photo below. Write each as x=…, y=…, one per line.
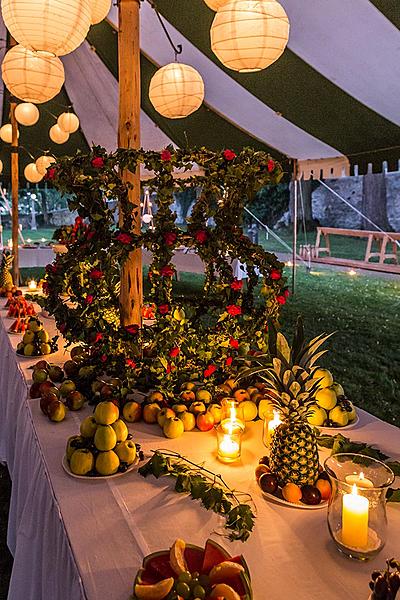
x=369, y=248
x=382, y=252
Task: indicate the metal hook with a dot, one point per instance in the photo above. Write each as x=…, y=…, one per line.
x=176, y=48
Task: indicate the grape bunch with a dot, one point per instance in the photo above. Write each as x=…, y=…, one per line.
x=385, y=584
x=191, y=587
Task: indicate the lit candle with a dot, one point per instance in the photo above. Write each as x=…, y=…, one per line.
x=272, y=425
x=29, y=240
x=359, y=480
x=32, y=285
x=228, y=448
x=228, y=437
x=355, y=511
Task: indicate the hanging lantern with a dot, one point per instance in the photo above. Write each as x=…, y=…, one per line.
x=249, y=35
x=32, y=174
x=57, y=135
x=6, y=133
x=56, y=26
x=215, y=4
x=100, y=9
x=32, y=76
x=43, y=163
x=1, y=167
x=27, y=114
x=68, y=122
x=176, y=91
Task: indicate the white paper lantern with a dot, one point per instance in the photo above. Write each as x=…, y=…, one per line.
x=215, y=4
x=176, y=91
x=43, y=163
x=57, y=135
x=32, y=174
x=249, y=35
x=6, y=133
x=27, y=114
x=100, y=9
x=56, y=26
x=1, y=167
x=147, y=219
x=68, y=122
x=32, y=76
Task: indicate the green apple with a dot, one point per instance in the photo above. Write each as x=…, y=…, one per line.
x=126, y=451
x=132, y=412
x=74, y=442
x=326, y=398
x=163, y=415
x=56, y=373
x=173, y=428
x=216, y=412
x=106, y=413
x=352, y=414
x=66, y=387
x=339, y=416
x=120, y=429
x=45, y=348
x=338, y=389
x=105, y=438
x=317, y=415
x=197, y=408
x=28, y=337
x=75, y=400
x=179, y=408
x=34, y=325
x=150, y=412
x=188, y=385
x=81, y=462
x=88, y=427
x=203, y=396
x=107, y=463
x=250, y=410
x=325, y=376
x=188, y=419
x=39, y=376
x=56, y=411
x=29, y=349
x=43, y=336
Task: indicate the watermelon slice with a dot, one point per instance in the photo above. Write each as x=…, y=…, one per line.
x=156, y=567
x=214, y=554
x=194, y=556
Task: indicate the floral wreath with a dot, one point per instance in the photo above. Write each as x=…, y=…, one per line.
x=191, y=338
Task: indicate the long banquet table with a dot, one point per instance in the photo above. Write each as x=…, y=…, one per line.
x=75, y=539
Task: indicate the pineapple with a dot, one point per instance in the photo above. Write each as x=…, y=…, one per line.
x=291, y=390
x=6, y=280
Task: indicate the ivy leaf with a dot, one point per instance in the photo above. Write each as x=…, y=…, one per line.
x=395, y=466
x=157, y=466
x=393, y=495
x=183, y=484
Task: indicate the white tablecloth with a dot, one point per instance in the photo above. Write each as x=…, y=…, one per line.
x=74, y=539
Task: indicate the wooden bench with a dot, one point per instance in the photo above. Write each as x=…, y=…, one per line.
x=387, y=248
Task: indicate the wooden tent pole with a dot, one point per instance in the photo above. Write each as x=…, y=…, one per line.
x=131, y=296
x=14, y=184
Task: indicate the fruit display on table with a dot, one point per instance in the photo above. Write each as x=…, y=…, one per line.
x=11, y=295
x=331, y=407
x=104, y=446
x=187, y=572
x=6, y=280
x=386, y=583
x=18, y=306
x=36, y=340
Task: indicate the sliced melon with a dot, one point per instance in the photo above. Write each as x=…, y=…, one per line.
x=156, y=566
x=194, y=556
x=213, y=555
x=225, y=571
x=222, y=590
x=155, y=591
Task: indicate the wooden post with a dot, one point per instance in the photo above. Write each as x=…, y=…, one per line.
x=131, y=297
x=14, y=191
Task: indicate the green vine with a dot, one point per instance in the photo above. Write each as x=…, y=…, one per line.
x=204, y=485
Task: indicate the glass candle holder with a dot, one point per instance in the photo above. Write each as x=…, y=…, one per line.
x=232, y=411
x=357, y=518
x=229, y=444
x=271, y=420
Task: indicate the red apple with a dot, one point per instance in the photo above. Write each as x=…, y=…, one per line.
x=188, y=396
x=34, y=391
x=45, y=387
x=205, y=421
x=75, y=400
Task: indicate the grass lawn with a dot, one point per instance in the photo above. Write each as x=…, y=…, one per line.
x=35, y=236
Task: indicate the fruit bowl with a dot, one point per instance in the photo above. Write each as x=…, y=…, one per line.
x=341, y=427
x=279, y=499
x=188, y=571
x=65, y=466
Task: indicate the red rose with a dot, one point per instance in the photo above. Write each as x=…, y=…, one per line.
x=234, y=343
x=271, y=165
x=97, y=338
x=286, y=293
x=229, y=155
x=132, y=329
x=96, y=274
x=98, y=162
x=275, y=274
x=166, y=155
x=103, y=358
x=45, y=288
x=50, y=174
x=124, y=238
x=89, y=299
x=174, y=352
x=163, y=309
x=210, y=370
x=130, y=363
x=229, y=361
x=170, y=238
x=236, y=285
x=90, y=234
x=201, y=236
x=170, y=368
x=167, y=271
x=78, y=222
x=281, y=299
x=234, y=310
x=62, y=328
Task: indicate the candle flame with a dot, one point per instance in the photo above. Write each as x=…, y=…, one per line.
x=354, y=490
x=361, y=476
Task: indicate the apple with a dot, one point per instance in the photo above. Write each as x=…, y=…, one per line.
x=352, y=414
x=241, y=395
x=66, y=387
x=188, y=419
x=325, y=488
x=179, y=408
x=43, y=336
x=71, y=368
x=126, y=451
x=317, y=415
x=155, y=397
x=41, y=364
x=173, y=428
x=56, y=411
x=76, y=351
x=81, y=461
x=188, y=396
x=265, y=407
x=197, y=408
x=39, y=376
x=205, y=421
x=105, y=438
x=338, y=389
x=339, y=416
x=86, y=372
x=53, y=390
x=75, y=400
x=45, y=387
x=96, y=386
x=188, y=385
x=88, y=427
x=325, y=376
x=132, y=412
x=74, y=442
x=120, y=429
x=45, y=401
x=224, y=388
x=107, y=463
x=216, y=412
x=45, y=348
x=28, y=337
x=56, y=373
x=249, y=409
x=150, y=412
x=34, y=391
x=163, y=415
x=326, y=398
x=106, y=391
x=203, y=396
x=231, y=383
x=29, y=350
x=106, y=413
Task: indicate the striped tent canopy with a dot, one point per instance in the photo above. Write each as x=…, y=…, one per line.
x=332, y=96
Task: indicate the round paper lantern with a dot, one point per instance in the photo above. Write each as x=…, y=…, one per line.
x=56, y=26
x=32, y=76
x=215, y=4
x=32, y=174
x=176, y=90
x=43, y=163
x=57, y=135
x=249, y=35
x=6, y=133
x=100, y=9
x=68, y=122
x=27, y=114
x=147, y=219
